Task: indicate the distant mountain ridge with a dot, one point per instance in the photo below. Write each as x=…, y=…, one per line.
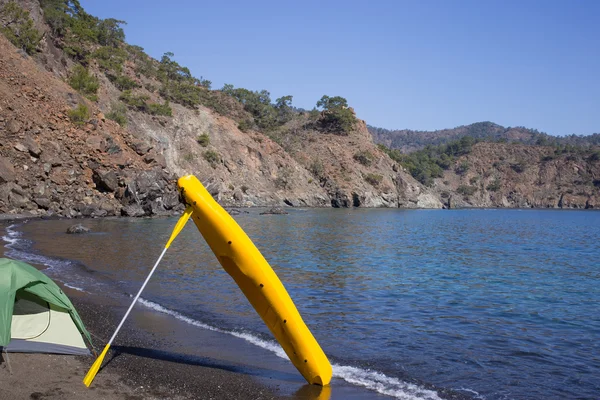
x=407, y=140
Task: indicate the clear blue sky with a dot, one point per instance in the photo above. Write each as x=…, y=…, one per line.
x=401, y=64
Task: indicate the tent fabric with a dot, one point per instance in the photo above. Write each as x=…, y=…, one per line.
x=44, y=328
x=17, y=276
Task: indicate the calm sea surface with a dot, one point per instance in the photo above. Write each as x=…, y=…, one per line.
x=497, y=304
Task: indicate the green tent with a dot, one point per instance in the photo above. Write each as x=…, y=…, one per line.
x=35, y=314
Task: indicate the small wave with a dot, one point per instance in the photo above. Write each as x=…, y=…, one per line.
x=19, y=249
x=473, y=392
x=383, y=384
x=275, y=348
x=373, y=380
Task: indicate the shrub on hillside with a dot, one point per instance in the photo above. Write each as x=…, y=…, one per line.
x=429, y=163
x=84, y=82
x=245, y=125
x=140, y=103
x=122, y=82
x=212, y=157
x=317, y=169
x=79, y=115
x=466, y=190
x=203, y=140
x=137, y=102
x=494, y=186
x=462, y=168
x=258, y=103
x=118, y=113
x=159, y=109
x=284, y=178
x=110, y=58
x=518, y=167
x=364, y=157
x=373, y=179
x=18, y=27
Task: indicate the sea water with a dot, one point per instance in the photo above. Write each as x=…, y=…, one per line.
x=495, y=304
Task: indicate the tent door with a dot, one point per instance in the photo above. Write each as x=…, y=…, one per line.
x=31, y=316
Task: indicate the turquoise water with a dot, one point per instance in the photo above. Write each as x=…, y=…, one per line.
x=497, y=304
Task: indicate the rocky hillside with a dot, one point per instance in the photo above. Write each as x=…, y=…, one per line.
x=515, y=175
x=92, y=126
x=510, y=175
x=50, y=166
x=408, y=141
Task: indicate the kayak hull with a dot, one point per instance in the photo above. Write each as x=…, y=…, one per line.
x=246, y=265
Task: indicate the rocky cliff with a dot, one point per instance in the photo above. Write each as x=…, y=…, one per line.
x=521, y=176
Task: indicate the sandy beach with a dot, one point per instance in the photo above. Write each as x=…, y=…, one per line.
x=134, y=368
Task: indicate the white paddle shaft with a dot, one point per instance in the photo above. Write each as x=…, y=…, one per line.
x=137, y=296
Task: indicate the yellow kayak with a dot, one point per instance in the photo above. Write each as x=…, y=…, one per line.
x=257, y=280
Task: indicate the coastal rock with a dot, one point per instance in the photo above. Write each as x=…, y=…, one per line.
x=274, y=211
x=428, y=200
x=78, y=228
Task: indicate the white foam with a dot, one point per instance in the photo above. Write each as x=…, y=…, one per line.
x=74, y=287
x=181, y=317
x=383, y=384
x=369, y=379
x=270, y=346
x=473, y=392
x=11, y=237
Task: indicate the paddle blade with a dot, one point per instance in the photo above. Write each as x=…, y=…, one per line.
x=89, y=377
x=180, y=224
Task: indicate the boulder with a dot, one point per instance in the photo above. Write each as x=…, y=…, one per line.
x=238, y=195
x=106, y=181
x=42, y=202
x=141, y=147
x=7, y=171
x=32, y=146
x=13, y=126
x=133, y=210
x=154, y=156
x=170, y=200
x=21, y=147
x=78, y=228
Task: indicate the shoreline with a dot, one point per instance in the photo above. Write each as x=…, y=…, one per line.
x=146, y=357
